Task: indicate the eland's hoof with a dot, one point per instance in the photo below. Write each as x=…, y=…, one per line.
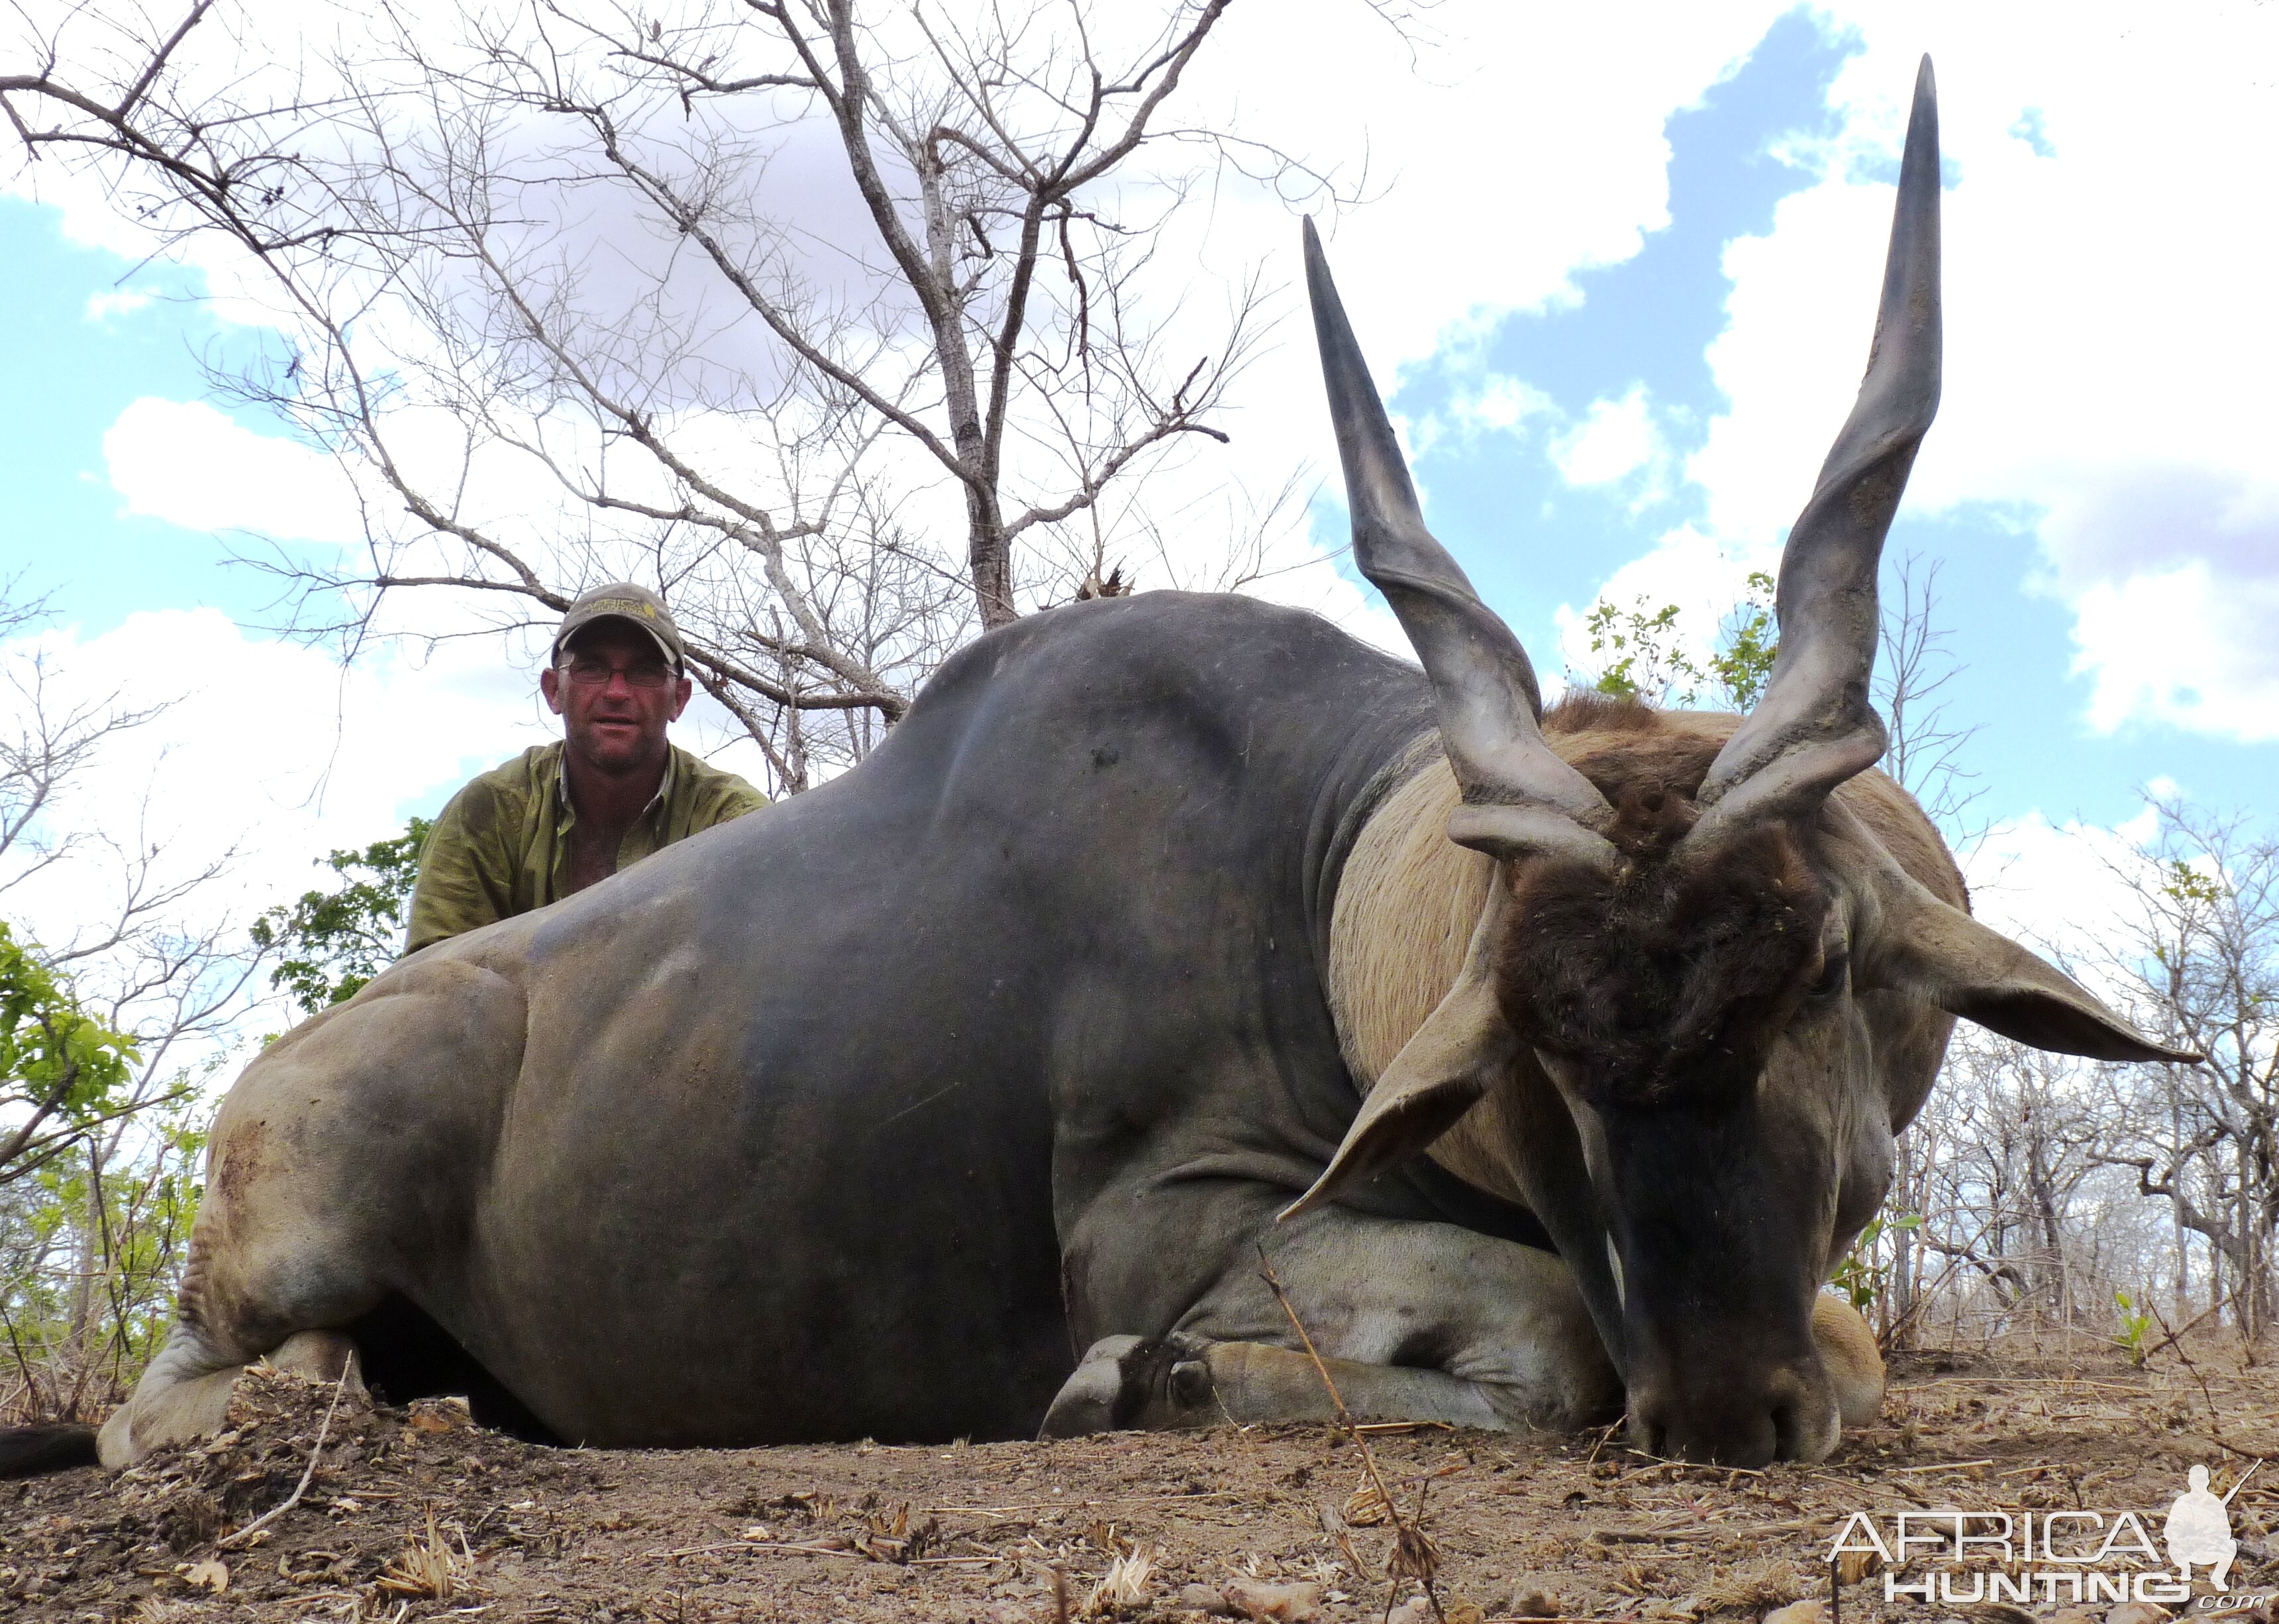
x=1088, y=1401
x=1128, y=1382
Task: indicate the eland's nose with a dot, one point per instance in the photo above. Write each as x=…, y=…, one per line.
x=1787, y=1412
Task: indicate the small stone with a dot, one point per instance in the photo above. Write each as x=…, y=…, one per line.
x=1534, y=1605
x=1203, y=1599
x=1416, y=1610
x=1273, y=1604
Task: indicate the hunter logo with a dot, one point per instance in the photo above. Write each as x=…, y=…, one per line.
x=1950, y=1557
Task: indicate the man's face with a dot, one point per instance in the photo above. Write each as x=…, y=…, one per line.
x=615, y=693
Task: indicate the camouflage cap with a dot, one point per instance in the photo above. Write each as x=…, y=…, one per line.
x=623, y=601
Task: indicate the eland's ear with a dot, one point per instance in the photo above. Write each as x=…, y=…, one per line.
x=1945, y=957
x=1439, y=1074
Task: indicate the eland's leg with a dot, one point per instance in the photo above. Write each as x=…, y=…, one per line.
x=331, y=1181
x=1414, y=1322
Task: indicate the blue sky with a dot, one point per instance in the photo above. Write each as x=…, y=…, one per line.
x=1533, y=541
x=76, y=373
x=1672, y=238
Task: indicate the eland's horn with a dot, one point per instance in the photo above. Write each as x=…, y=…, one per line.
x=1814, y=727
x=1519, y=796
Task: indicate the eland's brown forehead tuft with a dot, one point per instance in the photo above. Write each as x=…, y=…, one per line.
x=1666, y=982
x=1648, y=763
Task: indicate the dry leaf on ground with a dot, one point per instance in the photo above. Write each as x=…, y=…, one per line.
x=211, y=1575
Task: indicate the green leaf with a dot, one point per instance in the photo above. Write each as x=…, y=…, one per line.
x=334, y=941
x=57, y=1061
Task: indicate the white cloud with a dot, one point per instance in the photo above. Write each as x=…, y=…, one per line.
x=187, y=464
x=103, y=307
x=2105, y=320
x=2185, y=647
x=1615, y=439
x=1489, y=403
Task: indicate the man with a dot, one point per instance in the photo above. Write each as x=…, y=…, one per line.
x=560, y=817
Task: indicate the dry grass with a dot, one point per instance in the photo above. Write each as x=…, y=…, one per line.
x=428, y=1569
x=1752, y=1586
x=1124, y=1585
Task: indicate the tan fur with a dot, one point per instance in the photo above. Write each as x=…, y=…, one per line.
x=1406, y=903
x=1409, y=897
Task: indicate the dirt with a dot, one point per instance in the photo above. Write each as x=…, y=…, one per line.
x=418, y=1514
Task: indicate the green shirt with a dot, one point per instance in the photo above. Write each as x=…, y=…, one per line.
x=502, y=847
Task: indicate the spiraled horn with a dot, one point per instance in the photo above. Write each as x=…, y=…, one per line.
x=1519, y=796
x=1814, y=727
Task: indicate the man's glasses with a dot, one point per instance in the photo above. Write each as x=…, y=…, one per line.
x=594, y=674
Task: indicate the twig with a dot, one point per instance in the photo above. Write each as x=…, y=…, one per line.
x=2188, y=1326
x=1651, y=1536
x=1698, y=1466
x=769, y=1544
x=316, y=1453
x=1410, y=1548
x=1334, y=1524
x=2215, y=1421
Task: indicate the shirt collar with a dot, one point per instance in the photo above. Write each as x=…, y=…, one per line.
x=665, y=784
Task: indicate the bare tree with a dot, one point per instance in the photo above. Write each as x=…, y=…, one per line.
x=743, y=299
x=2020, y=1137
x=1926, y=751
x=2201, y=954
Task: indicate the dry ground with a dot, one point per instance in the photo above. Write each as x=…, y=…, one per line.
x=418, y=1515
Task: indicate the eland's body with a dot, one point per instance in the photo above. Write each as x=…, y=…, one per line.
x=1551, y=1061
x=786, y=1133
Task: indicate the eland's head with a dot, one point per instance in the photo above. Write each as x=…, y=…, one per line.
x=1705, y=992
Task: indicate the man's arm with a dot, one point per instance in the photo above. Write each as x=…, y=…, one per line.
x=466, y=871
